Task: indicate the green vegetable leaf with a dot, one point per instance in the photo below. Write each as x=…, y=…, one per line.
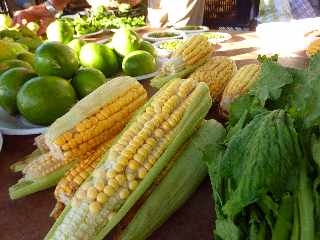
x=302, y=97
x=246, y=103
x=227, y=230
x=273, y=78
x=259, y=159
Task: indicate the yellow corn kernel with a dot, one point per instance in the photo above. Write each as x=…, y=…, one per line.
x=124, y=193
x=92, y=193
x=95, y=207
x=109, y=190
x=102, y=198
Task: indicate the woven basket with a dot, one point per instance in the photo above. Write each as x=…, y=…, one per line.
x=231, y=13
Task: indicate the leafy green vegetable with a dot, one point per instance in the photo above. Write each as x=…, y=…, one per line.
x=269, y=140
x=227, y=230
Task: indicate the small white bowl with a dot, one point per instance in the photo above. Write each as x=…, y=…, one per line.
x=148, y=36
x=163, y=52
x=192, y=31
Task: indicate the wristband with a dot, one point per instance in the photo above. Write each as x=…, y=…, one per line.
x=51, y=9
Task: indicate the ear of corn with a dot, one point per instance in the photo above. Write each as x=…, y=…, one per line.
x=134, y=161
x=313, y=48
x=180, y=182
x=75, y=176
x=240, y=84
x=189, y=56
x=93, y=121
x=216, y=73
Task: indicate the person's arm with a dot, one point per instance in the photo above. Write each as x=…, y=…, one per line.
x=39, y=13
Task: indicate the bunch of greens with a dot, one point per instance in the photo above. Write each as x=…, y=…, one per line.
x=101, y=18
x=266, y=179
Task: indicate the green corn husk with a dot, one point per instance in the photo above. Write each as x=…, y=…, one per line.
x=192, y=117
x=180, y=182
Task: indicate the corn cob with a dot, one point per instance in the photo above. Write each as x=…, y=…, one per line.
x=75, y=176
x=240, y=84
x=94, y=120
x=189, y=56
x=216, y=73
x=313, y=48
x=134, y=161
x=183, y=178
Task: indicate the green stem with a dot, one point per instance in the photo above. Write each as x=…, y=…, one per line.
x=283, y=224
x=306, y=205
x=296, y=226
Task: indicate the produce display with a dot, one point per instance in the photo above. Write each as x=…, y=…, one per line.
x=92, y=122
x=123, y=162
x=102, y=19
x=187, y=58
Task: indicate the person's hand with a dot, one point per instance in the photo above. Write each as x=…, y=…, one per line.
x=34, y=14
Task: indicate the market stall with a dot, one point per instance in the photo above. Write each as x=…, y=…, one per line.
x=253, y=83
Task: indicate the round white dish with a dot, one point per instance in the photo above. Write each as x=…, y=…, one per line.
x=221, y=36
x=10, y=125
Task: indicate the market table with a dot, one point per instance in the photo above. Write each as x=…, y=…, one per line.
x=28, y=218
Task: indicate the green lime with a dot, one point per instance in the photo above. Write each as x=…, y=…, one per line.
x=10, y=83
x=10, y=49
x=125, y=41
x=86, y=80
x=44, y=99
x=99, y=56
x=76, y=45
x=13, y=63
x=147, y=46
x=61, y=31
x=56, y=59
x=27, y=57
x=139, y=63
x=31, y=43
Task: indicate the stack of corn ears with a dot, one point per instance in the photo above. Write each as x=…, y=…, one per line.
x=80, y=134
x=313, y=48
x=141, y=165
x=189, y=56
x=239, y=85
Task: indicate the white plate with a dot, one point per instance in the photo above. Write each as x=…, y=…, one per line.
x=202, y=29
x=146, y=76
x=10, y=125
x=180, y=35
x=224, y=37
